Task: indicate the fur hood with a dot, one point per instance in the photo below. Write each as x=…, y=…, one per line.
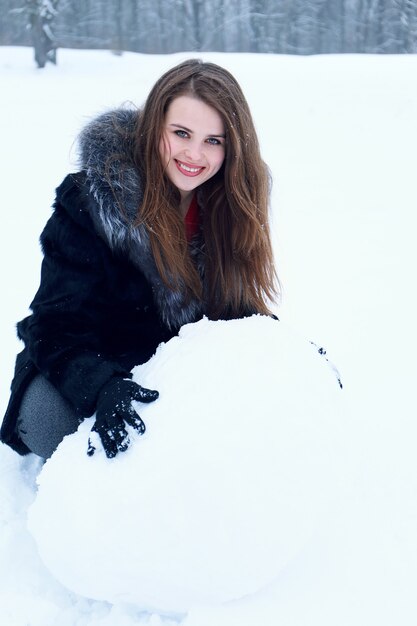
x=106, y=155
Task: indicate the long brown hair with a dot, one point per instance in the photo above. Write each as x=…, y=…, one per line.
x=239, y=271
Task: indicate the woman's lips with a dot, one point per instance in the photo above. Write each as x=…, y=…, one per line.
x=188, y=170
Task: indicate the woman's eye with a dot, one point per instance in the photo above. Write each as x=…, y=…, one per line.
x=181, y=133
x=213, y=141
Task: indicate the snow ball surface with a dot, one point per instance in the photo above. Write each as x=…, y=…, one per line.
x=228, y=484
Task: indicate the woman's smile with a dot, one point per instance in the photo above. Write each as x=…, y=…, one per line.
x=187, y=169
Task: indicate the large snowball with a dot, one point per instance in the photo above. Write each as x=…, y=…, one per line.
x=225, y=487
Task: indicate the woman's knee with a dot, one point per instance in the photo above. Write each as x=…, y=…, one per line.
x=45, y=417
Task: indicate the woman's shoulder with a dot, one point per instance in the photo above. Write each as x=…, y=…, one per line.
x=106, y=148
x=104, y=196
x=72, y=189
x=73, y=200
x=70, y=230
x=110, y=173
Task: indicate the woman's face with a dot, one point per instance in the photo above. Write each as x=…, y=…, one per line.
x=192, y=147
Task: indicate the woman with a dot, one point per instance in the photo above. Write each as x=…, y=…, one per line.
x=167, y=221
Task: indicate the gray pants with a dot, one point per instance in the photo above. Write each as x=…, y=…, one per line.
x=45, y=418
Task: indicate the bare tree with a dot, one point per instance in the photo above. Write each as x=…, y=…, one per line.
x=40, y=14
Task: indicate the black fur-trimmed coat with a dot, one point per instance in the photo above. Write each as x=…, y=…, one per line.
x=101, y=307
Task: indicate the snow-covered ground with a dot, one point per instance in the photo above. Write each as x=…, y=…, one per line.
x=339, y=134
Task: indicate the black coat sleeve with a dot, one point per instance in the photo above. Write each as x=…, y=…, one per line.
x=61, y=334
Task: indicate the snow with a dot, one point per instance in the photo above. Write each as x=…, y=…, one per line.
x=339, y=134
x=216, y=478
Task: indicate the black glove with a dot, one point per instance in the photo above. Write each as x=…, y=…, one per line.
x=114, y=408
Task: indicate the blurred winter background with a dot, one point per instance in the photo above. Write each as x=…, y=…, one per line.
x=332, y=85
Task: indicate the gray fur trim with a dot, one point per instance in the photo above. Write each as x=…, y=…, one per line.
x=106, y=155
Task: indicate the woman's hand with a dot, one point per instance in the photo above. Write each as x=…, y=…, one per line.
x=114, y=409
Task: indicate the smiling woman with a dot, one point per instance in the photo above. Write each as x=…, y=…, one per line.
x=166, y=222
x=193, y=151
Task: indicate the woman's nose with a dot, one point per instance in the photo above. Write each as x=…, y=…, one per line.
x=193, y=152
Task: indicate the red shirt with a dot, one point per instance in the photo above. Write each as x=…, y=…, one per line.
x=192, y=219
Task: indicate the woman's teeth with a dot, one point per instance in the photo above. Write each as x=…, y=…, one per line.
x=192, y=170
